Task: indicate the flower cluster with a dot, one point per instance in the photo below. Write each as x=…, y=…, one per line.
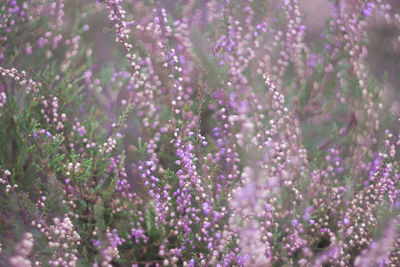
x=182, y=133
x=24, y=248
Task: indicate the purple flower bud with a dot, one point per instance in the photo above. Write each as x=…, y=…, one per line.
x=96, y=243
x=206, y=208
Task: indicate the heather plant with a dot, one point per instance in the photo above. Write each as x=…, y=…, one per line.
x=197, y=133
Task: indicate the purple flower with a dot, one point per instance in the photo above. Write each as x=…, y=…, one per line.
x=206, y=208
x=96, y=243
x=368, y=10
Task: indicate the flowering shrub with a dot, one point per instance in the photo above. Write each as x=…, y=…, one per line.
x=196, y=133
